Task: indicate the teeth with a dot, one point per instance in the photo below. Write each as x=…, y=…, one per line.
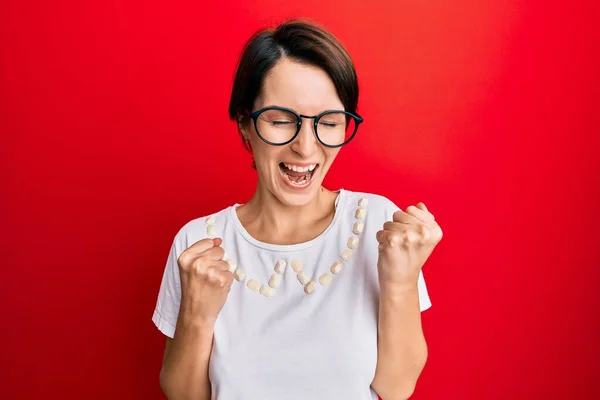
x=301, y=183
x=298, y=168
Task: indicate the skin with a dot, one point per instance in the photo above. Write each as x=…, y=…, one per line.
x=289, y=216
x=405, y=244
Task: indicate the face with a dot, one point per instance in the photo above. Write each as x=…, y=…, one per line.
x=284, y=171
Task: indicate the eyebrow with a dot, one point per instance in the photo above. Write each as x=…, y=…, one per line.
x=293, y=109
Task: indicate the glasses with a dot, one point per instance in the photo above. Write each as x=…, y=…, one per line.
x=279, y=126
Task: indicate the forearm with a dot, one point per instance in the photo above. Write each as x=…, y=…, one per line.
x=184, y=374
x=402, y=349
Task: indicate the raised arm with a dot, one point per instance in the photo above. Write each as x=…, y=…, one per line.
x=205, y=284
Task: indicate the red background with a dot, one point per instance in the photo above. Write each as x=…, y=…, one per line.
x=114, y=132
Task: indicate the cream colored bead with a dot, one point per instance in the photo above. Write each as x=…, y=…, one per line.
x=275, y=280
x=360, y=213
x=296, y=265
x=352, y=242
x=210, y=220
x=310, y=287
x=337, y=267
x=254, y=285
x=358, y=227
x=280, y=266
x=239, y=274
x=266, y=291
x=325, y=279
x=211, y=230
x=363, y=202
x=303, y=278
x=346, y=254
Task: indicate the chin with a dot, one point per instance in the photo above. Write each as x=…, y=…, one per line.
x=296, y=199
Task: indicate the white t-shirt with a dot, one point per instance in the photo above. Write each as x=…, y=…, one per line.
x=282, y=342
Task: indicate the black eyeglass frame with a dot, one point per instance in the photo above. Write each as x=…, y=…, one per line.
x=357, y=120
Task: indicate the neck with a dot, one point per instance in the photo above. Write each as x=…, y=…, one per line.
x=269, y=220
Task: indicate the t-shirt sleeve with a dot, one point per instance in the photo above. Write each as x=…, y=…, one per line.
x=424, y=300
x=169, y=294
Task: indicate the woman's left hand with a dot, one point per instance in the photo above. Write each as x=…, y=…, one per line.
x=405, y=243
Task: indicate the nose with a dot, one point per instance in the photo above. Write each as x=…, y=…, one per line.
x=306, y=143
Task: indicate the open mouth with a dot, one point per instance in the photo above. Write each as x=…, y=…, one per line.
x=297, y=176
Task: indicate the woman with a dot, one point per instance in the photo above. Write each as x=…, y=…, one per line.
x=301, y=292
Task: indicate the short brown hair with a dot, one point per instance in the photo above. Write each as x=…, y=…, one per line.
x=300, y=40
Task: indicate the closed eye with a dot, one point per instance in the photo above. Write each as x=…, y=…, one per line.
x=328, y=124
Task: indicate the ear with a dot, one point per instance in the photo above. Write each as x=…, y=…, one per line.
x=244, y=131
x=242, y=124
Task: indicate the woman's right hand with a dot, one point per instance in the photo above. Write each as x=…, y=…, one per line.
x=205, y=280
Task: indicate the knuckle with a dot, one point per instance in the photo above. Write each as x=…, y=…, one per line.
x=225, y=279
x=212, y=275
x=394, y=239
x=411, y=237
x=440, y=233
x=198, y=266
x=183, y=260
x=224, y=265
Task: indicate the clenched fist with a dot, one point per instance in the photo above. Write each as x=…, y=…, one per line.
x=205, y=279
x=405, y=243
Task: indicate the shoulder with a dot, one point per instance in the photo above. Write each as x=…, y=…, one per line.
x=376, y=205
x=199, y=228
